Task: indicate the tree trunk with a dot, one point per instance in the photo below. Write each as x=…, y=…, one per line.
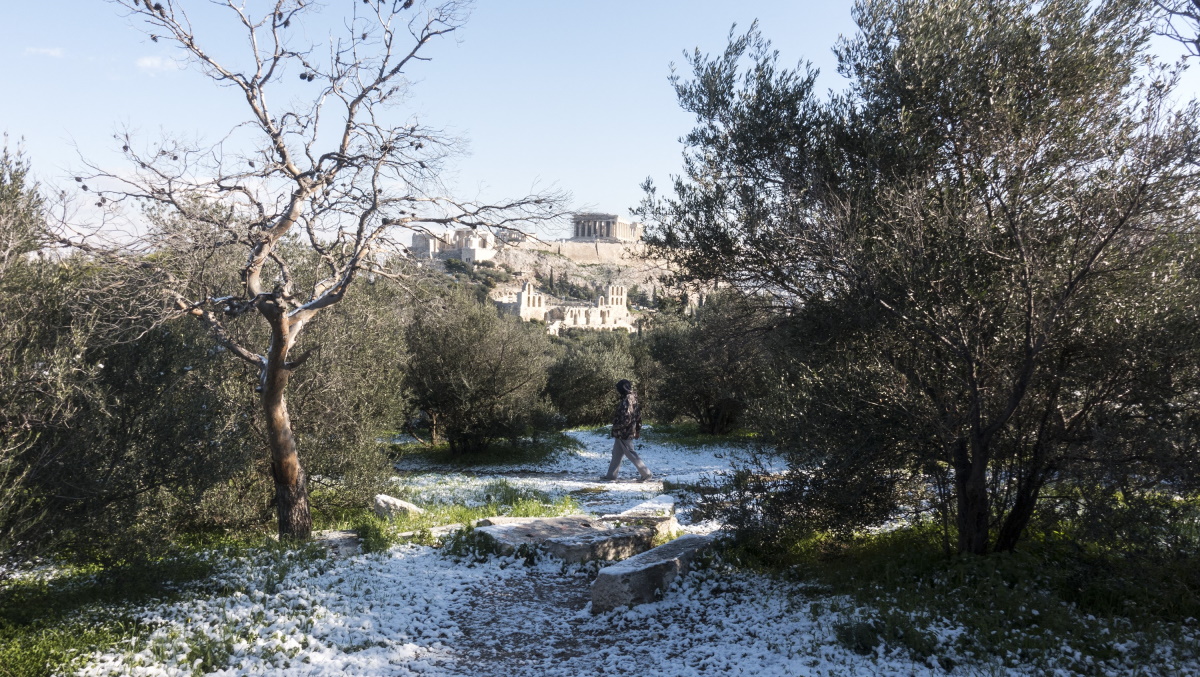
x=291, y=491
x=1022, y=511
x=971, y=486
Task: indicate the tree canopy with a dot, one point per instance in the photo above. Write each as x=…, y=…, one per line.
x=987, y=247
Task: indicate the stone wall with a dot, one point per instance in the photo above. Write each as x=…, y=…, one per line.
x=625, y=253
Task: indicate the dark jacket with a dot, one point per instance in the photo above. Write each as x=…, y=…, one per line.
x=627, y=419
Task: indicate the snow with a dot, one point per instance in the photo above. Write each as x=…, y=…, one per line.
x=416, y=610
x=577, y=472
x=405, y=613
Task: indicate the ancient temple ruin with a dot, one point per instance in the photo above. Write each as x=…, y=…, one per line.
x=610, y=227
x=467, y=244
x=610, y=311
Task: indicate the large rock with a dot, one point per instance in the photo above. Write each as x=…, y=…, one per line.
x=496, y=521
x=512, y=533
x=388, y=507
x=638, y=579
x=606, y=545
x=657, y=513
x=576, y=538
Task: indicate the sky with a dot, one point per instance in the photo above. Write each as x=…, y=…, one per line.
x=548, y=94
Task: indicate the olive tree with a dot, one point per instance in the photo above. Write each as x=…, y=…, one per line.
x=710, y=364
x=476, y=375
x=987, y=247
x=330, y=167
x=582, y=379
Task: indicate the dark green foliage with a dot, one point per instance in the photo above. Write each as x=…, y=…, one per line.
x=123, y=432
x=709, y=365
x=561, y=285
x=985, y=251
x=638, y=296
x=476, y=376
x=582, y=380
x=1019, y=608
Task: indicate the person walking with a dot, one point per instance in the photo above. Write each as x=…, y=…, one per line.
x=626, y=427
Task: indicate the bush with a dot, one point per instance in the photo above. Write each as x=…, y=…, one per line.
x=709, y=365
x=476, y=376
x=582, y=379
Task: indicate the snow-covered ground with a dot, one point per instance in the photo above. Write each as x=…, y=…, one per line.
x=576, y=472
x=416, y=610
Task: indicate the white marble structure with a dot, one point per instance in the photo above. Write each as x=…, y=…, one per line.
x=610, y=312
x=605, y=227
x=467, y=244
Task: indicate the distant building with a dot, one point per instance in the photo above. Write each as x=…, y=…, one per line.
x=610, y=311
x=467, y=244
x=605, y=227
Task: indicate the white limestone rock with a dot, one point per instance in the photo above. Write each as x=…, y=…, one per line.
x=604, y=545
x=388, y=507
x=638, y=579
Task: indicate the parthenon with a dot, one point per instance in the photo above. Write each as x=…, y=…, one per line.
x=589, y=226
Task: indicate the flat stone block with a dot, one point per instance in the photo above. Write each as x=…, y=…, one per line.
x=499, y=520
x=664, y=527
x=609, y=544
x=637, y=579
x=507, y=537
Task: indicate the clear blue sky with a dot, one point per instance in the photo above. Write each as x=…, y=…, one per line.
x=561, y=93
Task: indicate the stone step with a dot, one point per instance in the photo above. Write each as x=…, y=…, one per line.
x=658, y=513
x=497, y=521
x=512, y=533
x=638, y=579
x=607, y=545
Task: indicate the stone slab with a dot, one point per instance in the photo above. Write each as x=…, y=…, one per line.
x=606, y=545
x=638, y=579
x=658, y=512
x=507, y=537
x=339, y=543
x=663, y=527
x=499, y=520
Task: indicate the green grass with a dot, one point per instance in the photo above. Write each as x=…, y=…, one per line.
x=689, y=435
x=46, y=622
x=1018, y=608
x=542, y=449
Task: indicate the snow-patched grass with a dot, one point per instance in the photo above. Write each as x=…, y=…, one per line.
x=405, y=612
x=419, y=610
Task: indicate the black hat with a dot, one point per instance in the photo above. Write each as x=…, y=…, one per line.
x=624, y=386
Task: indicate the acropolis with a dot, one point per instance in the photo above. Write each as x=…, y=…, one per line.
x=589, y=226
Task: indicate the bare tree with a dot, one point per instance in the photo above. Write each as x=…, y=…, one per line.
x=331, y=174
x=1180, y=20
